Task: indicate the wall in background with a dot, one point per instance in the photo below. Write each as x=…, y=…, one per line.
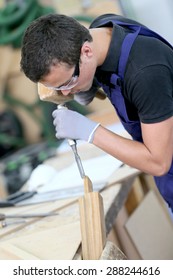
x=156, y=14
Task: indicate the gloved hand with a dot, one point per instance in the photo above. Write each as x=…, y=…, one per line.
x=72, y=125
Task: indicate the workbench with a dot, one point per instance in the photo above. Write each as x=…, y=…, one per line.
x=58, y=237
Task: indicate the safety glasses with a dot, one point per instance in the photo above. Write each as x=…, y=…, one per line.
x=72, y=82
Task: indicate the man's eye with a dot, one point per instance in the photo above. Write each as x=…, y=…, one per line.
x=66, y=83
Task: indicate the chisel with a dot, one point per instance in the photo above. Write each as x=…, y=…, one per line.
x=72, y=143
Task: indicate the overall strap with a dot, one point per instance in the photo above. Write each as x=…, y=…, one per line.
x=144, y=31
x=125, y=51
x=129, y=40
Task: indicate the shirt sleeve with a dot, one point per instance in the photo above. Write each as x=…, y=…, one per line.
x=151, y=93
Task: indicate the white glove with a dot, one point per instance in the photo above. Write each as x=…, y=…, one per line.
x=72, y=125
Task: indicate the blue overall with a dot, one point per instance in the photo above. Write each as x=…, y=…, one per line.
x=164, y=183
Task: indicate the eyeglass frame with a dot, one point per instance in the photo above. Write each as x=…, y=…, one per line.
x=73, y=81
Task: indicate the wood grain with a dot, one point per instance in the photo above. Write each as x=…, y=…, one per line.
x=92, y=223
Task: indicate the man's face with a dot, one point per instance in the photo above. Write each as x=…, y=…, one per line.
x=70, y=80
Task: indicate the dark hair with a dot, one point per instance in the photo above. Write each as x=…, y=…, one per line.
x=49, y=40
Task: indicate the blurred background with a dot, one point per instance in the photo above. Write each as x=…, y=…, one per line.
x=26, y=130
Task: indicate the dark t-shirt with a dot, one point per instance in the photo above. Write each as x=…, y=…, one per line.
x=148, y=80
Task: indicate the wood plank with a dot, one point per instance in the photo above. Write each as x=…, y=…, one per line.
x=68, y=210
x=92, y=223
x=54, y=206
x=135, y=196
x=12, y=252
x=53, y=243
x=151, y=230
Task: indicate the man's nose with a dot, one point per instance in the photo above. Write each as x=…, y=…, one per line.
x=66, y=92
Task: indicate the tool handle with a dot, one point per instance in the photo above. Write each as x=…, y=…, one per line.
x=61, y=106
x=6, y=204
x=71, y=142
x=2, y=217
x=13, y=199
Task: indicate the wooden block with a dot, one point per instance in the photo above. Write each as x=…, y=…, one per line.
x=112, y=252
x=151, y=230
x=135, y=196
x=92, y=223
x=54, y=96
x=127, y=246
x=88, y=187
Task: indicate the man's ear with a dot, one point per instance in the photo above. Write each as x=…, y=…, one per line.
x=86, y=49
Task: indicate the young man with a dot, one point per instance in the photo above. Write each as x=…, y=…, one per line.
x=63, y=55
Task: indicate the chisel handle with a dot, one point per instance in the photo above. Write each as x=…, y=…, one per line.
x=72, y=143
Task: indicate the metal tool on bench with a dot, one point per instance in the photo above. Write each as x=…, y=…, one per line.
x=5, y=223
x=25, y=216
x=48, y=196
x=16, y=197
x=20, y=218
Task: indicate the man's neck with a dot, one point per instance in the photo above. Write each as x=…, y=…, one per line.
x=101, y=42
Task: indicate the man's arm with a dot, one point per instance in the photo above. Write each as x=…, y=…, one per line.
x=153, y=156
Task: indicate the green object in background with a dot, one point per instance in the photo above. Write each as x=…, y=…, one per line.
x=84, y=18
x=15, y=18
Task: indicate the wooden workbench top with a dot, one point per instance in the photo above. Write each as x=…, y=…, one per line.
x=58, y=237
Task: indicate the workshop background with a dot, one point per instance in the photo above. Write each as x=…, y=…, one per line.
x=26, y=131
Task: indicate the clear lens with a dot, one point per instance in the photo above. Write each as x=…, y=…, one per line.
x=72, y=83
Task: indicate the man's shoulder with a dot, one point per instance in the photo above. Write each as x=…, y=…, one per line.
x=109, y=19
